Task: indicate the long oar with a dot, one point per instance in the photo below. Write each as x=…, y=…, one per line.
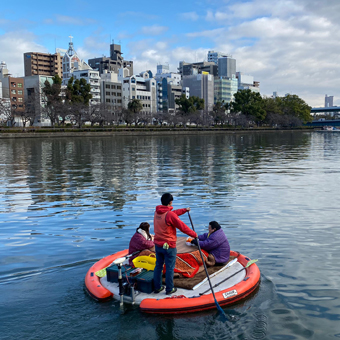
x=217, y=284
x=206, y=271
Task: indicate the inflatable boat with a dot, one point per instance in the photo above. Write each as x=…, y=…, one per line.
x=231, y=283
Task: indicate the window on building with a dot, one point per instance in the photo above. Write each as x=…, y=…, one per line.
x=19, y=84
x=20, y=100
x=107, y=100
x=133, y=89
x=13, y=84
x=13, y=91
x=119, y=87
x=114, y=93
x=107, y=93
x=19, y=91
x=113, y=87
x=133, y=97
x=14, y=99
x=107, y=86
x=119, y=94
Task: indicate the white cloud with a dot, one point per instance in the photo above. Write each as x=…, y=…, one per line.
x=193, y=16
x=13, y=45
x=153, y=30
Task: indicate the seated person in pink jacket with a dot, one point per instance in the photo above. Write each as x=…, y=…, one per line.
x=141, y=240
x=215, y=242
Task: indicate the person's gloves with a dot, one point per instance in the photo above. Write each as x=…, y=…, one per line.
x=194, y=241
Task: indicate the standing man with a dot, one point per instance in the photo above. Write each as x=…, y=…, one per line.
x=165, y=223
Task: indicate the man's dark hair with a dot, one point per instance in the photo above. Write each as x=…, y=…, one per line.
x=166, y=198
x=215, y=225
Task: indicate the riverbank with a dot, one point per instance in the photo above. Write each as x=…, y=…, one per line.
x=93, y=132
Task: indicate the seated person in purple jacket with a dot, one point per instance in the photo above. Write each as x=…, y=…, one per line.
x=216, y=243
x=141, y=240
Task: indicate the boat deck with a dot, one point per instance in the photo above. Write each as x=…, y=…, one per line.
x=113, y=287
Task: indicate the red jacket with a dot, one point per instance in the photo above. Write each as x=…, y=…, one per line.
x=166, y=232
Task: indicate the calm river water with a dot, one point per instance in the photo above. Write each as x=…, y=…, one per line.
x=67, y=202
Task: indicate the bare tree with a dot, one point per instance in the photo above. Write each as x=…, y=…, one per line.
x=7, y=114
x=78, y=111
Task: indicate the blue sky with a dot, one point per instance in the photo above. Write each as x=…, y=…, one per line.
x=289, y=46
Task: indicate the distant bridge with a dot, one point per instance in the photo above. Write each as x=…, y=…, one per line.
x=321, y=123
x=325, y=109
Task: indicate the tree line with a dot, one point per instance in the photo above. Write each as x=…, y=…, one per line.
x=72, y=107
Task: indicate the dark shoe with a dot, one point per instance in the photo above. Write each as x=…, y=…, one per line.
x=173, y=290
x=159, y=290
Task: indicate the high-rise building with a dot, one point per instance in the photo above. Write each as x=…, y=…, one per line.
x=37, y=63
x=202, y=86
x=224, y=89
x=169, y=88
x=113, y=63
x=329, y=101
x=226, y=67
x=187, y=69
x=214, y=56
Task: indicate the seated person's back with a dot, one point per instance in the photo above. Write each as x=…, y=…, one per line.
x=141, y=240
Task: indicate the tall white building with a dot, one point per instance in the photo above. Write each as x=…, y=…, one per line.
x=246, y=82
x=140, y=87
x=169, y=88
x=328, y=101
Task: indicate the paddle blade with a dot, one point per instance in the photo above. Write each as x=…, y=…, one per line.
x=219, y=308
x=250, y=263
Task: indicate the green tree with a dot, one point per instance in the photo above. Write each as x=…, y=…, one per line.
x=189, y=105
x=293, y=105
x=250, y=104
x=78, y=91
x=135, y=106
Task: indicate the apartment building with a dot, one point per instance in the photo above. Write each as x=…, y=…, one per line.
x=16, y=93
x=37, y=63
x=92, y=78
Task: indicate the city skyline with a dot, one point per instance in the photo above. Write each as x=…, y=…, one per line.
x=288, y=46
